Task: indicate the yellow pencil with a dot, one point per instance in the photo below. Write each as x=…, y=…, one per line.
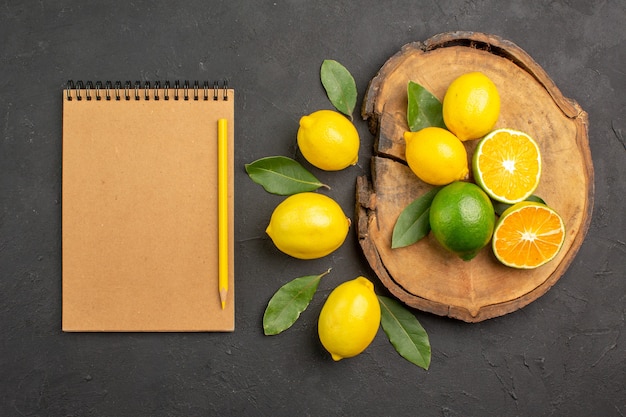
x=222, y=152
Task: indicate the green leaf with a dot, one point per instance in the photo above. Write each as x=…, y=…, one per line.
x=413, y=223
x=283, y=176
x=339, y=85
x=405, y=333
x=423, y=109
x=288, y=302
x=500, y=207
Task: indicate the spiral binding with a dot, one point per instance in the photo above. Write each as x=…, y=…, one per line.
x=136, y=91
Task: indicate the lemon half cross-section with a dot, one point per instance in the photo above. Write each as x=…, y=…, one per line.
x=507, y=165
x=528, y=235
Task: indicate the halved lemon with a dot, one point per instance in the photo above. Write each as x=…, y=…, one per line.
x=507, y=165
x=528, y=235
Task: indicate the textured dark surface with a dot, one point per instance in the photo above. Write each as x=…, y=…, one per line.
x=563, y=355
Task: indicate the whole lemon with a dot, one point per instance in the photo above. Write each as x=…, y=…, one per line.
x=471, y=106
x=349, y=319
x=462, y=218
x=308, y=226
x=436, y=156
x=328, y=140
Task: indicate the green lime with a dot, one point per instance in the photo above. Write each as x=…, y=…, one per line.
x=462, y=218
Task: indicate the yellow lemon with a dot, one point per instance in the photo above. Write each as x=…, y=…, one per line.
x=349, y=319
x=308, y=226
x=471, y=106
x=328, y=140
x=436, y=156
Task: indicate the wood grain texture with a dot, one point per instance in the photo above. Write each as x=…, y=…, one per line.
x=424, y=275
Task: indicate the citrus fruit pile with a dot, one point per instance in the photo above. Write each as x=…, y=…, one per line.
x=309, y=225
x=506, y=167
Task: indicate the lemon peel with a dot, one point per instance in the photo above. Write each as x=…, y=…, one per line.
x=436, y=156
x=349, y=319
x=471, y=106
x=308, y=226
x=328, y=140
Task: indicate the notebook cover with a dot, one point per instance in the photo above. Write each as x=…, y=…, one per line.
x=139, y=215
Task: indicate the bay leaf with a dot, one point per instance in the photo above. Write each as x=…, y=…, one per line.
x=283, y=176
x=423, y=108
x=339, y=85
x=289, y=302
x=500, y=207
x=413, y=223
x=405, y=332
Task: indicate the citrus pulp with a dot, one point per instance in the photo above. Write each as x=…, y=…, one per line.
x=528, y=235
x=507, y=165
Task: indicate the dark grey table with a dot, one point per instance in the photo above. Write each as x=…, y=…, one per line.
x=563, y=355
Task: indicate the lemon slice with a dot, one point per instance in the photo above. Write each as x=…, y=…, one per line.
x=471, y=106
x=507, y=165
x=528, y=235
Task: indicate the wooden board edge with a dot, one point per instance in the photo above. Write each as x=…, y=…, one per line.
x=368, y=106
x=476, y=40
x=509, y=50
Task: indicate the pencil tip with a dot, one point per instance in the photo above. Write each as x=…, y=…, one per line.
x=223, y=305
x=223, y=294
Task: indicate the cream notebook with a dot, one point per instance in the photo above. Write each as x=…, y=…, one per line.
x=140, y=207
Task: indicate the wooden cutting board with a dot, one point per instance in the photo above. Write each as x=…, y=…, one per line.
x=424, y=275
